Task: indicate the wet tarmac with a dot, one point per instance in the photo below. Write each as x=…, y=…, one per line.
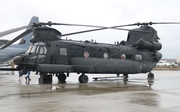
x=106, y=95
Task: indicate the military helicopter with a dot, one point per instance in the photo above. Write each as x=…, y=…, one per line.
x=51, y=55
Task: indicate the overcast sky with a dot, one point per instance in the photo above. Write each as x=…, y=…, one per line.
x=15, y=13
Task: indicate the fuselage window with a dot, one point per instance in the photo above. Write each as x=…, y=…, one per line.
x=63, y=51
x=138, y=57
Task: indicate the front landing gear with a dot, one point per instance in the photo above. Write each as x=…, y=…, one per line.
x=83, y=78
x=125, y=77
x=150, y=75
x=62, y=78
x=45, y=78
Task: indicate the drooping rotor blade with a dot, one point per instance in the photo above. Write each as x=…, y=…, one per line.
x=64, y=24
x=13, y=30
x=17, y=38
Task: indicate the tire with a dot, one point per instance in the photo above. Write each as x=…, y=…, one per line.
x=150, y=76
x=83, y=79
x=62, y=77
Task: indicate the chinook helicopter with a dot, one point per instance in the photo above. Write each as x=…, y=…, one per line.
x=51, y=55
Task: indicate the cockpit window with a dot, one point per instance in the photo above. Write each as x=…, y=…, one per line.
x=29, y=49
x=37, y=49
x=41, y=50
x=45, y=50
x=32, y=49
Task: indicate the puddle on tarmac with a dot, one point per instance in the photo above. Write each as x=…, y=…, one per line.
x=145, y=98
x=28, y=91
x=98, y=87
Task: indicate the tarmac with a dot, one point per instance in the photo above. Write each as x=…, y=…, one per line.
x=104, y=95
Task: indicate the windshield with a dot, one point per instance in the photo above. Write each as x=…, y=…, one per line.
x=37, y=49
x=32, y=49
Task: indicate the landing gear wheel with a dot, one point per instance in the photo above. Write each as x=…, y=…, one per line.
x=62, y=78
x=150, y=75
x=83, y=78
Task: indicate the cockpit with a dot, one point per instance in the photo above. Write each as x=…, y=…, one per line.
x=38, y=48
x=37, y=52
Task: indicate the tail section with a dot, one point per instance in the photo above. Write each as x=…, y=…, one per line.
x=25, y=41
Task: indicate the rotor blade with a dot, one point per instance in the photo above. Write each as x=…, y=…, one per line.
x=13, y=30
x=76, y=25
x=17, y=38
x=88, y=25
x=164, y=22
x=114, y=27
x=50, y=23
x=85, y=31
x=82, y=32
x=151, y=23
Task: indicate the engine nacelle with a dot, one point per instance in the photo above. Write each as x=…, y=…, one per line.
x=141, y=44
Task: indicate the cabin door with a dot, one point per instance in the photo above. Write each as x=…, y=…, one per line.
x=63, y=55
x=59, y=54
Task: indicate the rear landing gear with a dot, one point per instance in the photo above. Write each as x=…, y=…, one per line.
x=83, y=78
x=150, y=75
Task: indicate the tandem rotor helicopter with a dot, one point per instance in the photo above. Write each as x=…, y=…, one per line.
x=50, y=55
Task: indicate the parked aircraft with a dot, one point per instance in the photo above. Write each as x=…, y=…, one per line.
x=15, y=49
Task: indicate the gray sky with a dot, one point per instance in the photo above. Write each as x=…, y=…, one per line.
x=15, y=13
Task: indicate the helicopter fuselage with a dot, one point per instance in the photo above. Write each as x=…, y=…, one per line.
x=87, y=57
